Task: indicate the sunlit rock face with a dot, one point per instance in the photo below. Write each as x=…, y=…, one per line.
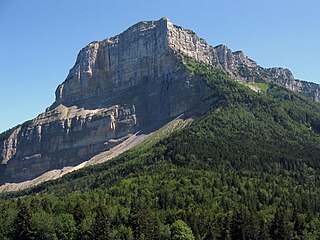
x=117, y=87
x=121, y=85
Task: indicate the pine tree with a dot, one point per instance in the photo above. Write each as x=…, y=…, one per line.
x=278, y=228
x=23, y=223
x=142, y=220
x=78, y=213
x=263, y=231
x=65, y=226
x=225, y=229
x=236, y=226
x=43, y=226
x=298, y=225
x=101, y=228
x=47, y=205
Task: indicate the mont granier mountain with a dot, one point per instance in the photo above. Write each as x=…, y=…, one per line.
x=203, y=144
x=124, y=86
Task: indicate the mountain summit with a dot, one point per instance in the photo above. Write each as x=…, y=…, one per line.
x=126, y=86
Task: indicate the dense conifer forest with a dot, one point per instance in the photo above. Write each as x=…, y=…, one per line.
x=248, y=169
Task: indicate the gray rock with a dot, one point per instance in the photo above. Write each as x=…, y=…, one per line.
x=62, y=137
x=119, y=86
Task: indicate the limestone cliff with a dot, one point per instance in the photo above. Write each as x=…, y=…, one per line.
x=239, y=66
x=61, y=137
x=143, y=52
x=119, y=86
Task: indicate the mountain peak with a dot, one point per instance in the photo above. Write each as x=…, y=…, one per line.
x=165, y=19
x=122, y=85
x=153, y=40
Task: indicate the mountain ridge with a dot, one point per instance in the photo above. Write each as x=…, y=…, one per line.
x=246, y=169
x=187, y=42
x=121, y=85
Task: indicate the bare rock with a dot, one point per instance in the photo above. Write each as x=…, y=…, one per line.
x=119, y=86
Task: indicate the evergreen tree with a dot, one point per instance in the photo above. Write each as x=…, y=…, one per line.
x=23, y=223
x=78, y=213
x=278, y=228
x=47, y=205
x=142, y=220
x=225, y=229
x=236, y=226
x=43, y=226
x=35, y=205
x=65, y=227
x=263, y=230
x=84, y=229
x=101, y=228
x=298, y=225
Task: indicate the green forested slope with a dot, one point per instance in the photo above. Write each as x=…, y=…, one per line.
x=248, y=169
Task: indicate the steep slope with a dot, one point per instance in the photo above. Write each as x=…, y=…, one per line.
x=248, y=169
x=122, y=85
x=121, y=146
x=276, y=127
x=117, y=87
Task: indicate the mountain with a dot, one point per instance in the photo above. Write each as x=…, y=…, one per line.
x=241, y=163
x=127, y=84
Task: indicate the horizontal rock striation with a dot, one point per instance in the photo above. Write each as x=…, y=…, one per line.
x=62, y=137
x=119, y=86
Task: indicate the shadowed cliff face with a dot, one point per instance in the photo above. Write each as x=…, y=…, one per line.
x=119, y=86
x=62, y=137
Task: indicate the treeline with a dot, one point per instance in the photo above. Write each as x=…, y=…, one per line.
x=177, y=203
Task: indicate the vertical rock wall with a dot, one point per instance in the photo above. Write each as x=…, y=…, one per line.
x=121, y=85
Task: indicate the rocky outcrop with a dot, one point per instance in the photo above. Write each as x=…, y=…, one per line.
x=143, y=54
x=136, y=57
x=236, y=64
x=62, y=137
x=119, y=86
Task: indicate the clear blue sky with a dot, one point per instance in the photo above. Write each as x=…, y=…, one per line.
x=39, y=39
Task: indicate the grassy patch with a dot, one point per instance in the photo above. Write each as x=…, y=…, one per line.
x=263, y=86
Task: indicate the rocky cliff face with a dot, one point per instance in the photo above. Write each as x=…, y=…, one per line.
x=238, y=66
x=119, y=86
x=62, y=137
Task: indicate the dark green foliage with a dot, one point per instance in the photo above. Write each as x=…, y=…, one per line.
x=248, y=169
x=65, y=226
x=101, y=228
x=237, y=226
x=43, y=226
x=78, y=213
x=142, y=220
x=278, y=226
x=225, y=228
x=263, y=230
x=22, y=224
